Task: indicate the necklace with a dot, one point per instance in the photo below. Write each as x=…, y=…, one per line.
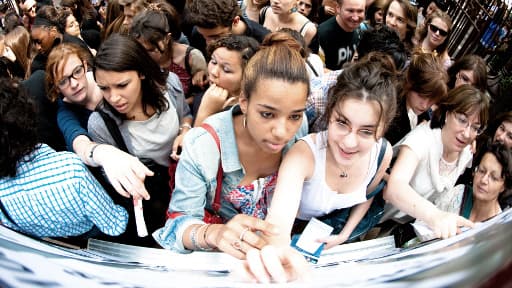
x=343, y=174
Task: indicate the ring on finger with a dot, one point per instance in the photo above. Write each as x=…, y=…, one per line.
x=243, y=233
x=237, y=244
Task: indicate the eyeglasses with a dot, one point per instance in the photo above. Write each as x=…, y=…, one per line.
x=77, y=73
x=436, y=29
x=481, y=172
x=463, y=121
x=344, y=129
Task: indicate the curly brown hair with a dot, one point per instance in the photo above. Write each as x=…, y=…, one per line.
x=18, y=129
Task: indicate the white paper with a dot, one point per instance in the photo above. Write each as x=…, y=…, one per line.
x=315, y=230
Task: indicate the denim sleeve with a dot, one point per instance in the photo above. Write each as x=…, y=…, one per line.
x=194, y=183
x=69, y=125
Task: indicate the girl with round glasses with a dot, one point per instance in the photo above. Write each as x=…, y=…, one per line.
x=431, y=158
x=72, y=85
x=333, y=175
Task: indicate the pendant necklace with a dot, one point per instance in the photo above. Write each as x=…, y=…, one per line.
x=343, y=174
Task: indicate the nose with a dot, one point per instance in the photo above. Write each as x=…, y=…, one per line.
x=73, y=82
x=425, y=104
x=391, y=21
x=351, y=140
x=500, y=137
x=279, y=130
x=467, y=132
x=213, y=71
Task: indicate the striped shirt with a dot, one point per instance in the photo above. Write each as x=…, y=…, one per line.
x=54, y=195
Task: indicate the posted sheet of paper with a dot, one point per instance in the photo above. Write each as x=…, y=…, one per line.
x=313, y=231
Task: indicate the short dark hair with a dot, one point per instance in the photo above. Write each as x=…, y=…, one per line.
x=386, y=40
x=122, y=53
x=18, y=127
x=245, y=45
x=212, y=13
x=504, y=157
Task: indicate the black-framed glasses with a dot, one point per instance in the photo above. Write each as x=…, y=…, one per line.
x=77, y=73
x=435, y=29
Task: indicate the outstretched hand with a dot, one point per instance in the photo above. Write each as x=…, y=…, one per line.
x=241, y=234
x=445, y=225
x=124, y=171
x=275, y=264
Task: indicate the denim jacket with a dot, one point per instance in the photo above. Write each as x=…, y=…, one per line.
x=195, y=180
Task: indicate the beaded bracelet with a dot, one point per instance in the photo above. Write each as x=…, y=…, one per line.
x=194, y=241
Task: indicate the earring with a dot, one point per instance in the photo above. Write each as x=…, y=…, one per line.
x=294, y=9
x=244, y=121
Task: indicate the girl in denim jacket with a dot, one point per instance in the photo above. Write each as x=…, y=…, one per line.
x=253, y=136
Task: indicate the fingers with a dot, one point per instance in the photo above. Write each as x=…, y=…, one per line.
x=275, y=264
x=463, y=222
x=255, y=224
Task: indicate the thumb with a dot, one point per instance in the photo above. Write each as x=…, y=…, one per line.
x=463, y=222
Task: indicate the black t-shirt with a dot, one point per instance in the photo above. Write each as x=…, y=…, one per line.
x=337, y=44
x=48, y=130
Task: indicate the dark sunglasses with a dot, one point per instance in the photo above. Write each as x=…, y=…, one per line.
x=435, y=29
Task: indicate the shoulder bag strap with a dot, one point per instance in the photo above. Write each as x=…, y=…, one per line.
x=218, y=189
x=312, y=68
x=187, y=60
x=114, y=130
x=383, y=182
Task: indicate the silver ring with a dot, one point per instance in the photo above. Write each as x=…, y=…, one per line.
x=243, y=233
x=237, y=244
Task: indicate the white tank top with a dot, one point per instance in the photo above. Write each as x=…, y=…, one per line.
x=318, y=198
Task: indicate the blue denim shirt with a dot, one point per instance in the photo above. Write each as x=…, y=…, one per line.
x=195, y=181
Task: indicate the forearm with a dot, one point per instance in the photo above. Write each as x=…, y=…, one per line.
x=355, y=217
x=200, y=236
x=409, y=201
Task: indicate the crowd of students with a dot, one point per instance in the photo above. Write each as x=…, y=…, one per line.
x=215, y=125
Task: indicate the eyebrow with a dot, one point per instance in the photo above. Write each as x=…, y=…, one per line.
x=340, y=115
x=275, y=109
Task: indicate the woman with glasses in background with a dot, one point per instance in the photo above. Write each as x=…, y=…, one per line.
x=432, y=157
x=492, y=182
x=469, y=69
x=72, y=85
x=434, y=36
